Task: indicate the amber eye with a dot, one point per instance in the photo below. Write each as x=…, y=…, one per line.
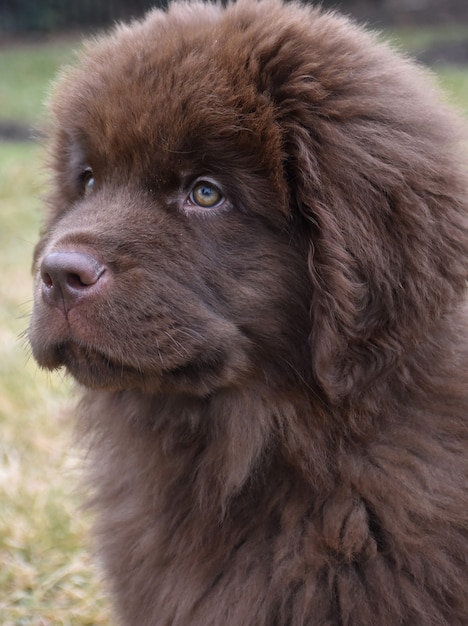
x=87, y=180
x=206, y=195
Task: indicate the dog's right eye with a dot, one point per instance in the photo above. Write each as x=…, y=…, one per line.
x=87, y=180
x=205, y=195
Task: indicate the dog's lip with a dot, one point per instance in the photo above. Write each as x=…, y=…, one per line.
x=95, y=369
x=48, y=356
x=92, y=354
x=79, y=358
x=72, y=354
x=91, y=367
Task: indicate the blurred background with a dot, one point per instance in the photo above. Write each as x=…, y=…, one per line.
x=46, y=577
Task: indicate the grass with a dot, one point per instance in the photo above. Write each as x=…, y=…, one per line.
x=455, y=82
x=416, y=40
x=46, y=577
x=25, y=77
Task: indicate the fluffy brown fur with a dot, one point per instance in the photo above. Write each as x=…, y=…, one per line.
x=276, y=384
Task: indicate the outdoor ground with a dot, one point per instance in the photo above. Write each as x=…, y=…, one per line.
x=46, y=574
x=46, y=577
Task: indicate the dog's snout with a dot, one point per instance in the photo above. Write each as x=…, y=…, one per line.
x=68, y=276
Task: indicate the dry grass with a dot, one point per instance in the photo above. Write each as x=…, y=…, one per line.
x=46, y=577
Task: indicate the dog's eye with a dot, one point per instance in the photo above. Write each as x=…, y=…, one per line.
x=87, y=180
x=206, y=195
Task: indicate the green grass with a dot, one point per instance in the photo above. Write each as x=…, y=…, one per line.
x=46, y=576
x=418, y=39
x=25, y=77
x=455, y=82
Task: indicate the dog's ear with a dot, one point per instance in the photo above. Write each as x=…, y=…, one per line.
x=386, y=207
x=376, y=180
x=388, y=242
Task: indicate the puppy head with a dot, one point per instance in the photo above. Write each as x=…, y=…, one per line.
x=245, y=181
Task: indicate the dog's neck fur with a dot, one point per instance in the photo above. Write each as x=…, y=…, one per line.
x=200, y=490
x=237, y=439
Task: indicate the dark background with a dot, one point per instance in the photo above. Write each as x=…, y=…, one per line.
x=22, y=17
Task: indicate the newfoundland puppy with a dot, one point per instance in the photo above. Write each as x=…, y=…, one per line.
x=254, y=263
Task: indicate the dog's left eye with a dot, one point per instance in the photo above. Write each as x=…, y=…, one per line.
x=206, y=195
x=87, y=180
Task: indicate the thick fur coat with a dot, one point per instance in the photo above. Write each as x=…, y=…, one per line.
x=254, y=262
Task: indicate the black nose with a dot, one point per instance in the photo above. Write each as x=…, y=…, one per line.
x=69, y=276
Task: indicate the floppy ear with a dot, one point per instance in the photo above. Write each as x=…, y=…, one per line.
x=373, y=168
x=385, y=204
x=373, y=172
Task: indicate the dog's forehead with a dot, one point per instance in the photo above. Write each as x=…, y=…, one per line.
x=168, y=89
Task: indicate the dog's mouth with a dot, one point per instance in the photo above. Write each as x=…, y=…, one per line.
x=192, y=352
x=199, y=374
x=90, y=366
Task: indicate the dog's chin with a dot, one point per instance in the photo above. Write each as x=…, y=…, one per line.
x=199, y=375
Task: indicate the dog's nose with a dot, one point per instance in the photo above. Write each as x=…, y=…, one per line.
x=69, y=276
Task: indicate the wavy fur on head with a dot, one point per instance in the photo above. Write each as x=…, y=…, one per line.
x=255, y=260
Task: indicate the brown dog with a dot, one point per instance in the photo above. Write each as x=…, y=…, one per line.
x=255, y=260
